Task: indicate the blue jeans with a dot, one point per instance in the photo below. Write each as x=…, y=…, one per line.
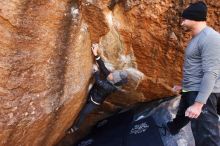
x=205, y=127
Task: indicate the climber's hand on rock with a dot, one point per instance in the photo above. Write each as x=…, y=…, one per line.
x=95, y=48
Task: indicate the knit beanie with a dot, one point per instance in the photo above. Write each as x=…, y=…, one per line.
x=119, y=77
x=196, y=11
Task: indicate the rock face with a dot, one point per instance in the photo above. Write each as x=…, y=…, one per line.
x=46, y=61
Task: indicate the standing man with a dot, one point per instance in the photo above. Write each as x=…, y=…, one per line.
x=201, y=79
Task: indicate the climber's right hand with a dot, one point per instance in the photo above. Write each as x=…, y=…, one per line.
x=95, y=48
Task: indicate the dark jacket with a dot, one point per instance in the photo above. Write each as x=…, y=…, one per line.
x=102, y=87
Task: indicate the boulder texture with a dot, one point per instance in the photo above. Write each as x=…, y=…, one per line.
x=46, y=60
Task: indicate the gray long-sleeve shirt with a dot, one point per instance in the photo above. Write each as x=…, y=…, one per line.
x=201, y=71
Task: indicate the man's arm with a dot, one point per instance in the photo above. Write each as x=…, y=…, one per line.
x=99, y=60
x=102, y=66
x=207, y=85
x=210, y=53
x=206, y=88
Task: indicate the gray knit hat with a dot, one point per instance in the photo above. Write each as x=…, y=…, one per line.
x=120, y=77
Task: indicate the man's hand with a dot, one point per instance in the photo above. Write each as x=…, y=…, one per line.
x=95, y=48
x=194, y=110
x=177, y=89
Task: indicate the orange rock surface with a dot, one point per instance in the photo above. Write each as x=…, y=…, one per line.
x=46, y=60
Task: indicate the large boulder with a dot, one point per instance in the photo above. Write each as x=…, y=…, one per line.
x=46, y=61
